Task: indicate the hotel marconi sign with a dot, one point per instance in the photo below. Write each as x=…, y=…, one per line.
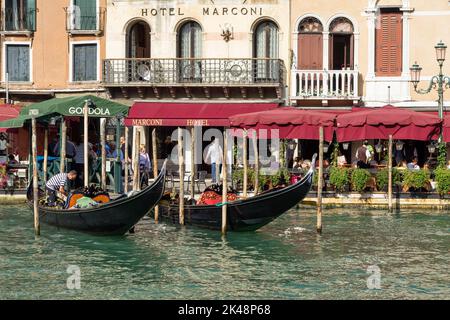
x=238, y=10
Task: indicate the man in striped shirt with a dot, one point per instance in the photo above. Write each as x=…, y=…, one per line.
x=56, y=183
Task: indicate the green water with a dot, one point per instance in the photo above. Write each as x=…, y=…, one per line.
x=285, y=260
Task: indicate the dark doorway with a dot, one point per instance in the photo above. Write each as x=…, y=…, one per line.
x=341, y=53
x=139, y=40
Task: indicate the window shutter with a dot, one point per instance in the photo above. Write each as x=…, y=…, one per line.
x=18, y=62
x=30, y=14
x=88, y=14
x=389, y=45
x=85, y=62
x=310, y=51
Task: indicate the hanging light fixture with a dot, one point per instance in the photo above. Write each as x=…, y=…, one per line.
x=326, y=146
x=399, y=145
x=431, y=148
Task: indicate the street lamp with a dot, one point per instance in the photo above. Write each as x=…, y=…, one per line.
x=439, y=82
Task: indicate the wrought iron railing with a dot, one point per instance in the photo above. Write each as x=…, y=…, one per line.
x=18, y=19
x=78, y=21
x=179, y=71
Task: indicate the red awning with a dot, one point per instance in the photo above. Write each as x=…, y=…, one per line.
x=7, y=112
x=379, y=123
x=292, y=123
x=154, y=114
x=446, y=128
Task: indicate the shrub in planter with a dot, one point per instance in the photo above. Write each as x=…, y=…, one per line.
x=339, y=178
x=359, y=179
x=238, y=176
x=416, y=179
x=383, y=178
x=442, y=177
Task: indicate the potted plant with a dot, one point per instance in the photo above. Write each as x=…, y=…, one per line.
x=339, y=179
x=359, y=179
x=416, y=180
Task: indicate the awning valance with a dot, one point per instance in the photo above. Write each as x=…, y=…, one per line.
x=152, y=114
x=379, y=123
x=291, y=123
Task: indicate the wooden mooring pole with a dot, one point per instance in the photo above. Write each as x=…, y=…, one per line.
x=390, y=207
x=45, y=164
x=245, y=162
x=224, y=183
x=192, y=176
x=255, y=149
x=136, y=174
x=86, y=142
x=155, y=166
x=103, y=143
x=320, y=183
x=37, y=227
x=126, y=160
x=181, y=173
x=62, y=146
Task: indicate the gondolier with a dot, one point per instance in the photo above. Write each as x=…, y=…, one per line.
x=57, y=183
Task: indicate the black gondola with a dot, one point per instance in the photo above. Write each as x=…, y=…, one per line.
x=243, y=215
x=113, y=218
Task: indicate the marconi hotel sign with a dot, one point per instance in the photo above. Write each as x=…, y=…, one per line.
x=205, y=11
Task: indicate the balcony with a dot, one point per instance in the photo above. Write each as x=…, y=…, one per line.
x=325, y=85
x=206, y=78
x=18, y=21
x=78, y=22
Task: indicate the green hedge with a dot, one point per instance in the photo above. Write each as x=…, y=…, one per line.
x=442, y=177
x=339, y=178
x=359, y=179
x=415, y=178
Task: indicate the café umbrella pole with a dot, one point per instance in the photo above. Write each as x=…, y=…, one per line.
x=192, y=176
x=255, y=150
x=136, y=175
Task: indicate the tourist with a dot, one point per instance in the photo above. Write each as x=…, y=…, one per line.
x=297, y=163
x=341, y=160
x=122, y=148
x=413, y=164
x=78, y=160
x=167, y=147
x=215, y=156
x=113, y=152
x=363, y=155
x=12, y=159
x=57, y=183
x=144, y=159
x=70, y=149
x=51, y=147
x=3, y=144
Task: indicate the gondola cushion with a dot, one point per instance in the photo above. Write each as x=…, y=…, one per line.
x=212, y=198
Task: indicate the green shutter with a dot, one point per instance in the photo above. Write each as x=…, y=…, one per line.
x=88, y=14
x=18, y=62
x=85, y=62
x=31, y=14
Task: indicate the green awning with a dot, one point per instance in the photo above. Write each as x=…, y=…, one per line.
x=15, y=122
x=70, y=107
x=73, y=107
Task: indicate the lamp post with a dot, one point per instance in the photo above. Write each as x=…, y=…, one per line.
x=439, y=82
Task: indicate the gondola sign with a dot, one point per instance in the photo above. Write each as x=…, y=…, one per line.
x=92, y=111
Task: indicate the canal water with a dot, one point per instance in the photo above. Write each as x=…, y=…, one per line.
x=405, y=255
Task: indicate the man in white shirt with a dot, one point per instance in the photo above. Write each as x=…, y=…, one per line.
x=215, y=155
x=413, y=165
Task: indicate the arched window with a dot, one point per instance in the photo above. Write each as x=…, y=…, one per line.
x=266, y=40
x=310, y=44
x=341, y=44
x=190, y=40
x=139, y=40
